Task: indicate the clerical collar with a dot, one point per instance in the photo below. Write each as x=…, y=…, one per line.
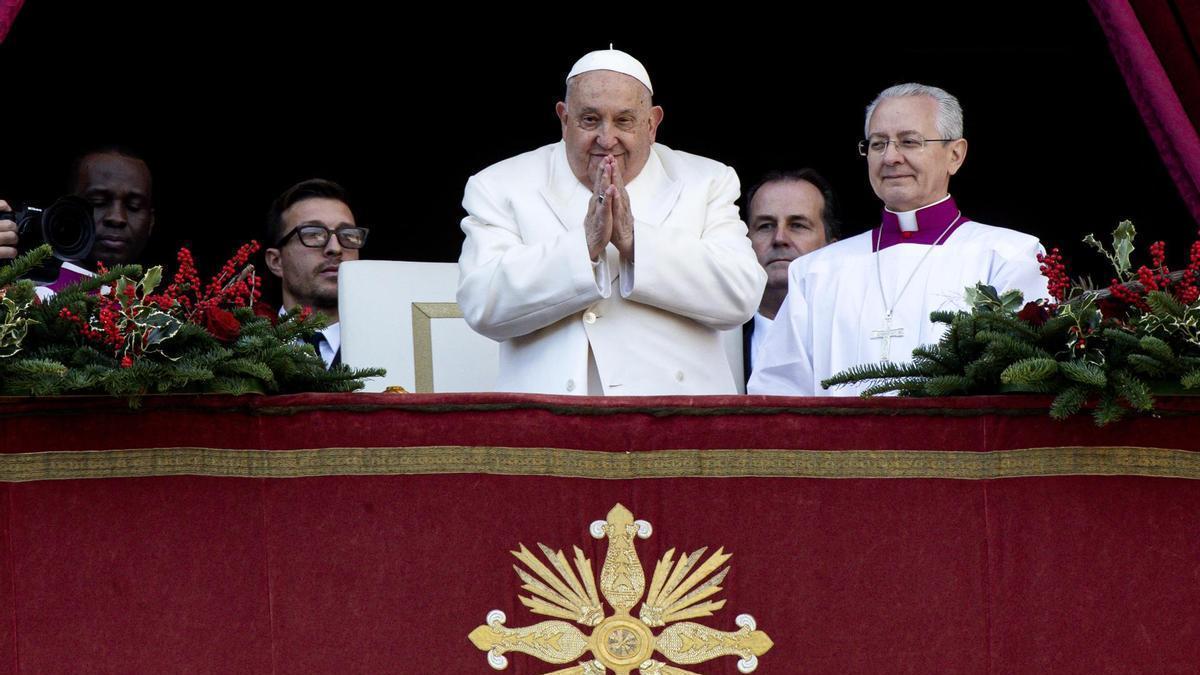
x=925, y=225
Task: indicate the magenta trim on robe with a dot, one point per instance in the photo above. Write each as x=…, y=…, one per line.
x=66, y=277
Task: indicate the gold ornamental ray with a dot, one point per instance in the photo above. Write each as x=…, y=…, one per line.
x=680, y=589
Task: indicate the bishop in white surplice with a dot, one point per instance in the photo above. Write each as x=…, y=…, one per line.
x=867, y=299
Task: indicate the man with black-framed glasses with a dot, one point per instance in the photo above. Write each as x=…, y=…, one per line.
x=311, y=231
x=867, y=299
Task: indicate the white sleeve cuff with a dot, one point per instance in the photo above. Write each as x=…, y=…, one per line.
x=601, y=274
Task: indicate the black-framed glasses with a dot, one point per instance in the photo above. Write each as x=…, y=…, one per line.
x=905, y=144
x=317, y=236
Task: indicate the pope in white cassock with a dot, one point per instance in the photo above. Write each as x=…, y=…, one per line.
x=607, y=263
x=868, y=298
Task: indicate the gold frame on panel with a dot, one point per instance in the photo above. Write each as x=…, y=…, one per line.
x=423, y=314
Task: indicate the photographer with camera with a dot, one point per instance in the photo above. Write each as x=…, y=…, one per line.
x=108, y=218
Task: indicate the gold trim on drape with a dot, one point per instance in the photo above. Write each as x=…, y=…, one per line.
x=1063, y=461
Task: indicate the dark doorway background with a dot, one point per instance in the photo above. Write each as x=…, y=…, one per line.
x=230, y=108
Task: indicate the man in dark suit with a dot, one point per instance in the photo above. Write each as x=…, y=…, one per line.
x=788, y=213
x=311, y=231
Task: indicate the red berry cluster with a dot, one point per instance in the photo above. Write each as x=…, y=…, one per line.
x=1052, y=267
x=184, y=285
x=1157, y=277
x=1188, y=291
x=106, y=334
x=1154, y=278
x=234, y=286
x=1127, y=295
x=113, y=326
x=229, y=283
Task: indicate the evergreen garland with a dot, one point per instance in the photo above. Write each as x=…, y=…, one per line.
x=130, y=342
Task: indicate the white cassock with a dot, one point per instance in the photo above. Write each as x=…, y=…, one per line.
x=834, y=316
x=567, y=326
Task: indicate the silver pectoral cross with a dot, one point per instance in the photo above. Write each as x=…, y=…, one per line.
x=885, y=335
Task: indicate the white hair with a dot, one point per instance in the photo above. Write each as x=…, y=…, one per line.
x=949, y=113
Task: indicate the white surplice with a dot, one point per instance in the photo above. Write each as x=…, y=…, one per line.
x=833, y=316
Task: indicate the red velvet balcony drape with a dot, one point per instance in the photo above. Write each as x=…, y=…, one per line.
x=1155, y=45
x=370, y=533
x=8, y=14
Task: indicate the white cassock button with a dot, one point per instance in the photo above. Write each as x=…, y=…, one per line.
x=570, y=385
x=679, y=376
x=589, y=317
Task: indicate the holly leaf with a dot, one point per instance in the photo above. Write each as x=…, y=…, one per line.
x=162, y=327
x=971, y=295
x=1123, y=245
x=151, y=279
x=982, y=296
x=1012, y=301
x=122, y=284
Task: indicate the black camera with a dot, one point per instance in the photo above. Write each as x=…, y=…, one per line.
x=66, y=225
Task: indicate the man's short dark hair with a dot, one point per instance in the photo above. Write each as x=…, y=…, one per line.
x=119, y=149
x=833, y=227
x=305, y=189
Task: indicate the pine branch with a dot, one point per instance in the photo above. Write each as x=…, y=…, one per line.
x=24, y=264
x=873, y=371
x=963, y=333
x=21, y=292
x=1164, y=304
x=1146, y=365
x=247, y=368
x=985, y=370
x=1069, y=401
x=948, y=385
x=1157, y=348
x=236, y=386
x=900, y=386
x=1084, y=373
x=1007, y=323
x=943, y=316
x=1131, y=388
x=1121, y=338
x=1030, y=371
x=1108, y=410
x=1007, y=348
x=31, y=377
x=1055, y=329
x=933, y=359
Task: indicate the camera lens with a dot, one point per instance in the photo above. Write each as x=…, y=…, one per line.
x=68, y=227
